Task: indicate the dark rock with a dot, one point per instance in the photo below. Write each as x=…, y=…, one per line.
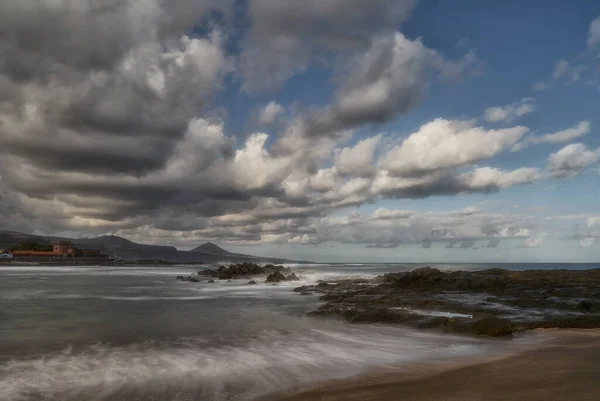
x=306, y=293
x=251, y=282
x=189, y=279
x=244, y=270
x=276, y=277
x=293, y=277
x=305, y=288
x=211, y=281
x=493, y=326
x=554, y=293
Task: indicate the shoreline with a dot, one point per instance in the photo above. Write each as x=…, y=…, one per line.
x=565, y=368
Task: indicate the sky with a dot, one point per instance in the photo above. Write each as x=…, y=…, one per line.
x=324, y=130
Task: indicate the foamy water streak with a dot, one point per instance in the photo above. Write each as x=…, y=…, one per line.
x=193, y=369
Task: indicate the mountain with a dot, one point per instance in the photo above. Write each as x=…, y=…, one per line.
x=209, y=247
x=119, y=247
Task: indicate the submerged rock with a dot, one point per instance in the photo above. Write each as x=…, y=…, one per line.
x=252, y=282
x=211, y=281
x=189, y=278
x=305, y=288
x=293, y=277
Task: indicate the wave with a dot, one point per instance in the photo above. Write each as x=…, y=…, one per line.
x=243, y=369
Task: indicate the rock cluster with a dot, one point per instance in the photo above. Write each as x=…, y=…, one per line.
x=279, y=276
x=491, y=302
x=273, y=273
x=244, y=270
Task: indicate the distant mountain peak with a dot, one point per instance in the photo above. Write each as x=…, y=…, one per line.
x=209, y=247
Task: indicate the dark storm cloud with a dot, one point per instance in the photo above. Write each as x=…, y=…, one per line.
x=98, y=95
x=37, y=35
x=387, y=81
x=93, y=160
x=285, y=35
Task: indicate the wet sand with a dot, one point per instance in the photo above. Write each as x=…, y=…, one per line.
x=568, y=369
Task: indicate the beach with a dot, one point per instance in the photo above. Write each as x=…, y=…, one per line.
x=567, y=369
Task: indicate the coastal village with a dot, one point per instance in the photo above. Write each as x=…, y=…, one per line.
x=59, y=252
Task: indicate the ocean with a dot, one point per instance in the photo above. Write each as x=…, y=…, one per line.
x=137, y=334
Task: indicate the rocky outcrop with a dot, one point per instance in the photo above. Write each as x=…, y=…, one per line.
x=492, y=302
x=276, y=277
x=244, y=270
x=252, y=282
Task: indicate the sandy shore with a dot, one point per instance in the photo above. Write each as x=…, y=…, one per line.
x=567, y=370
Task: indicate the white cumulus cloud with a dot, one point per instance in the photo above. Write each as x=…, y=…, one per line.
x=445, y=144
x=578, y=130
x=511, y=111
x=572, y=160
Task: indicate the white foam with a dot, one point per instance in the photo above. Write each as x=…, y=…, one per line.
x=433, y=312
x=270, y=363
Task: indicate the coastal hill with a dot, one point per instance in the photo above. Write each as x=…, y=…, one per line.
x=119, y=247
x=209, y=247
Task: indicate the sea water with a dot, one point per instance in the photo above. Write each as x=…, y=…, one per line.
x=136, y=333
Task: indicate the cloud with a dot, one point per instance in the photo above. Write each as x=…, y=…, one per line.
x=358, y=160
x=284, y=36
x=380, y=229
x=572, y=160
x=587, y=242
x=444, y=144
x=385, y=81
x=535, y=241
x=580, y=129
x=540, y=86
x=480, y=180
x=270, y=113
x=111, y=121
x=116, y=103
x=593, y=221
x=510, y=112
x=594, y=33
x=565, y=70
